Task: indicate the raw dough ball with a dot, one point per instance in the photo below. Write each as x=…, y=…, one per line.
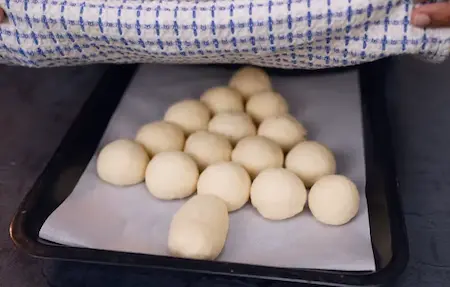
x=160, y=136
x=223, y=99
x=250, y=80
x=190, y=115
x=122, y=162
x=207, y=148
x=310, y=161
x=233, y=125
x=278, y=194
x=171, y=175
x=257, y=153
x=334, y=200
x=227, y=180
x=199, y=228
x=285, y=130
x=266, y=104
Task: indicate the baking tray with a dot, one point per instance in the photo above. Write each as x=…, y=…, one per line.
x=389, y=240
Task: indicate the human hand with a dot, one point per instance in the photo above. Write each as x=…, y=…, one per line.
x=2, y=15
x=431, y=15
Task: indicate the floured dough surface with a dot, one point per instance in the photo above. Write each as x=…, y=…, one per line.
x=250, y=80
x=122, y=162
x=199, y=228
x=191, y=115
x=160, y=136
x=234, y=125
x=256, y=153
x=278, y=194
x=266, y=104
x=171, y=175
x=207, y=148
x=227, y=180
x=285, y=130
x=310, y=161
x=334, y=200
x=223, y=99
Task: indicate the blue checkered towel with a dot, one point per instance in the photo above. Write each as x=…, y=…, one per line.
x=310, y=34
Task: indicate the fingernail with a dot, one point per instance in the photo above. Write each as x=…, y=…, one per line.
x=421, y=20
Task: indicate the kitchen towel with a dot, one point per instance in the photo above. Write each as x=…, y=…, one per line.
x=307, y=34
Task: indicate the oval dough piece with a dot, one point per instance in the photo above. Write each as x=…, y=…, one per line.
x=250, y=80
x=190, y=115
x=266, y=104
x=334, y=200
x=207, y=148
x=160, y=136
x=122, y=162
x=227, y=180
x=278, y=194
x=223, y=99
x=285, y=130
x=310, y=161
x=257, y=153
x=233, y=125
x=171, y=175
x=199, y=228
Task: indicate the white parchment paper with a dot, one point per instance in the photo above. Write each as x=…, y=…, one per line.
x=102, y=216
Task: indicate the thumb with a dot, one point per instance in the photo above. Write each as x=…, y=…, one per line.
x=431, y=15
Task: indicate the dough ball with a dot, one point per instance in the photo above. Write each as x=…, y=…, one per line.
x=266, y=104
x=207, y=148
x=285, y=130
x=334, y=200
x=122, y=162
x=171, y=175
x=190, y=115
x=250, y=80
x=310, y=161
x=223, y=99
x=160, y=136
x=278, y=194
x=199, y=228
x=233, y=125
x=227, y=180
x=257, y=153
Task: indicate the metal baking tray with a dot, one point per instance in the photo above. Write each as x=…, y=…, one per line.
x=388, y=234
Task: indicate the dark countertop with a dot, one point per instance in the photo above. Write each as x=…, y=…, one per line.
x=37, y=107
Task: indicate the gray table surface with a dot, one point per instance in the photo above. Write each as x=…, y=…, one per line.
x=37, y=107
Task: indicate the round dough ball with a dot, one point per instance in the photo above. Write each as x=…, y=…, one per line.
x=310, y=161
x=227, y=180
x=190, y=115
x=257, y=153
x=278, y=194
x=266, y=104
x=199, y=229
x=285, y=130
x=160, y=136
x=233, y=125
x=207, y=148
x=334, y=200
x=171, y=175
x=122, y=162
x=223, y=99
x=250, y=80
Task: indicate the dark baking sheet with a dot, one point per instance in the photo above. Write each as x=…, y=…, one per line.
x=57, y=181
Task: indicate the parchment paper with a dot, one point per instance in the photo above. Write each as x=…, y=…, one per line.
x=101, y=216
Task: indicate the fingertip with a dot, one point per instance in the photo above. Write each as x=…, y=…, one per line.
x=420, y=20
x=2, y=15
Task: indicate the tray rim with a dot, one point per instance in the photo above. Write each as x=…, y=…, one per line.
x=399, y=243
